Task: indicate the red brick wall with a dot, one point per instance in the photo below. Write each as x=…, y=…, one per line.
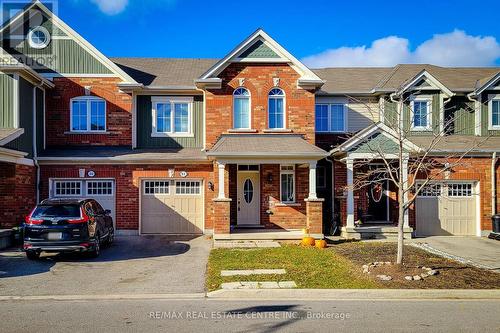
x=118, y=112
x=259, y=81
x=127, y=185
x=283, y=216
x=17, y=193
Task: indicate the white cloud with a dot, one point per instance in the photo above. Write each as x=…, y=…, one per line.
x=451, y=49
x=111, y=7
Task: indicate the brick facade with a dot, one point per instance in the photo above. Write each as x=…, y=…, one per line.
x=118, y=112
x=127, y=178
x=17, y=193
x=258, y=79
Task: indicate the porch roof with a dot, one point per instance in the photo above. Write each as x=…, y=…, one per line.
x=266, y=146
x=9, y=134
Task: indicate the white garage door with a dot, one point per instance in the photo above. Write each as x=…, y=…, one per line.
x=172, y=206
x=447, y=209
x=102, y=190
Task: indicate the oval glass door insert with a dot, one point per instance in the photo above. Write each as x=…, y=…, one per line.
x=248, y=191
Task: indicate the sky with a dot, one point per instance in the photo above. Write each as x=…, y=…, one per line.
x=321, y=33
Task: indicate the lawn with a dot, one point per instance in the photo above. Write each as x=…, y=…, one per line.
x=339, y=267
x=308, y=267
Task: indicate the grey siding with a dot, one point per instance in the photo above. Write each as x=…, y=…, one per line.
x=460, y=116
x=6, y=101
x=485, y=116
x=61, y=56
x=40, y=101
x=145, y=126
x=25, y=142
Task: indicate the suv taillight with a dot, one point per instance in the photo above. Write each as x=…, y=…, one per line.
x=31, y=221
x=83, y=219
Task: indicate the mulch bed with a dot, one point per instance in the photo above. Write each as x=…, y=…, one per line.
x=452, y=274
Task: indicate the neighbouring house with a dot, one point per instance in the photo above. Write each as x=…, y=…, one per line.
x=252, y=141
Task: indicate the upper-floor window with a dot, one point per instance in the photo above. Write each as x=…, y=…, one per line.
x=172, y=116
x=241, y=111
x=331, y=117
x=276, y=109
x=494, y=112
x=88, y=114
x=421, y=111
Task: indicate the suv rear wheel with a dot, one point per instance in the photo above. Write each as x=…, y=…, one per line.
x=33, y=255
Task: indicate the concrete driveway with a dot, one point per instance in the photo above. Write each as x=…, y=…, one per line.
x=481, y=252
x=132, y=265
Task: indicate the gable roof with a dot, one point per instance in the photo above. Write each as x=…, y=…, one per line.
x=486, y=83
x=73, y=34
x=308, y=77
x=424, y=75
x=9, y=134
x=379, y=130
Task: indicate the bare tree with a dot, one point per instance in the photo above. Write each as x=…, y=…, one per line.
x=408, y=166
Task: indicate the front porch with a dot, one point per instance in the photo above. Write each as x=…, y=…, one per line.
x=269, y=193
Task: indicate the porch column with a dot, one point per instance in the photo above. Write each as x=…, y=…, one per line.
x=350, y=193
x=406, y=220
x=222, y=169
x=312, y=180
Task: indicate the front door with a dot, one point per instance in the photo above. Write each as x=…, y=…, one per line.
x=248, y=198
x=377, y=202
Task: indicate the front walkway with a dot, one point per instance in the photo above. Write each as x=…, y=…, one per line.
x=482, y=252
x=132, y=265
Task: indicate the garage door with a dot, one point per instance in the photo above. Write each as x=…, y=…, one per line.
x=446, y=209
x=172, y=207
x=102, y=190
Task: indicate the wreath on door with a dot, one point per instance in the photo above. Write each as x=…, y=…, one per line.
x=376, y=191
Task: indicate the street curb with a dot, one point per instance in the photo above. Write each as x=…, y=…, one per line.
x=355, y=294
x=104, y=297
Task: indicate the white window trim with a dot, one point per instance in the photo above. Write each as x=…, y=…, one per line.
x=55, y=182
x=492, y=98
x=284, y=109
x=288, y=172
x=427, y=99
x=187, y=180
x=88, y=99
x=329, y=130
x=99, y=181
x=172, y=100
x=249, y=109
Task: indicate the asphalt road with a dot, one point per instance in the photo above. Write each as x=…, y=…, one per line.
x=206, y=315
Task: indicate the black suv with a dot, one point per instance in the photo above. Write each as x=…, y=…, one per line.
x=67, y=225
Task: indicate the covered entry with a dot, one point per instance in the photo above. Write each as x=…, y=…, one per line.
x=447, y=208
x=171, y=206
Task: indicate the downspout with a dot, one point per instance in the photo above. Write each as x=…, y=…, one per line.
x=204, y=118
x=494, y=160
x=329, y=160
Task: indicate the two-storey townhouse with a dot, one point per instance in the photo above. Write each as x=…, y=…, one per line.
x=225, y=146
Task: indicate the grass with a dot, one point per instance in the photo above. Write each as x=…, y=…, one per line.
x=308, y=267
x=339, y=267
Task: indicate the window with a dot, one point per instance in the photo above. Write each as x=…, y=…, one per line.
x=494, y=112
x=39, y=38
x=99, y=188
x=331, y=117
x=276, y=109
x=187, y=187
x=321, y=177
x=421, y=114
x=430, y=190
x=248, y=167
x=171, y=116
x=460, y=190
x=248, y=191
x=157, y=187
x=67, y=188
x=287, y=182
x=88, y=114
x=241, y=112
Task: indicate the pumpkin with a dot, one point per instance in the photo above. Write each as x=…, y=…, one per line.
x=308, y=241
x=321, y=244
